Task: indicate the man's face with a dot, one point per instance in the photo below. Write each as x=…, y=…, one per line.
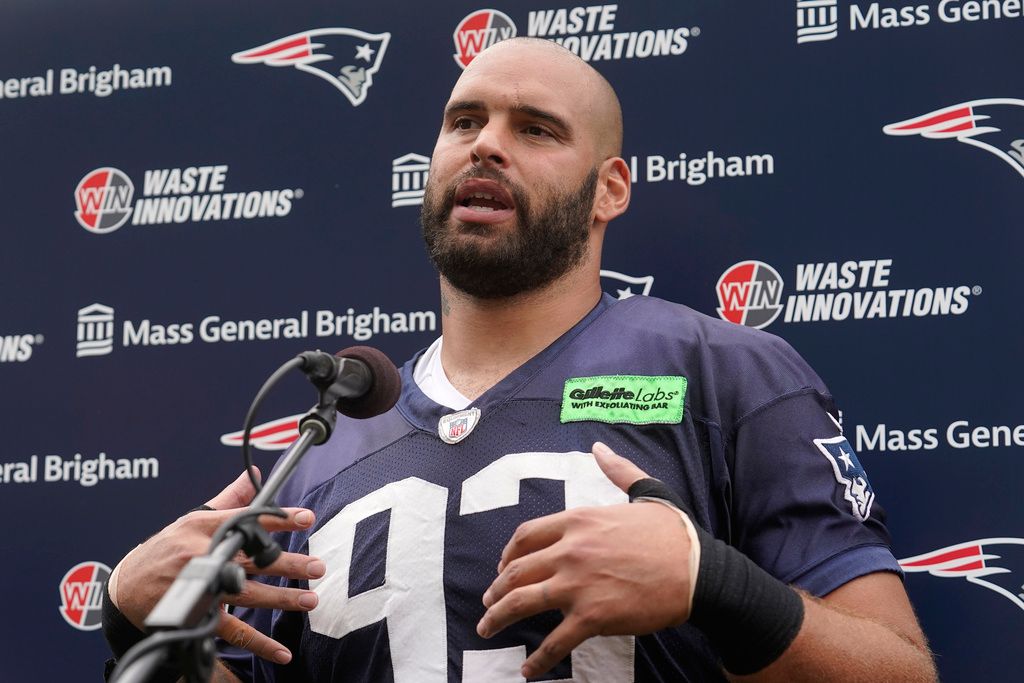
x=509, y=202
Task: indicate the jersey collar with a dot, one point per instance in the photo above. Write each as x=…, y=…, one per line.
x=423, y=413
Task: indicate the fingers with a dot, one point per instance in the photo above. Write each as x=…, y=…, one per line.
x=236, y=494
x=207, y=521
x=519, y=572
x=533, y=535
x=518, y=604
x=256, y=594
x=557, y=646
x=288, y=565
x=241, y=634
x=622, y=472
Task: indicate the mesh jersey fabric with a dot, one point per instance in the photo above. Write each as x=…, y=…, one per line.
x=411, y=528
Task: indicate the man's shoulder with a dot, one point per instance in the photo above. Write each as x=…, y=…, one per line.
x=730, y=369
x=654, y=317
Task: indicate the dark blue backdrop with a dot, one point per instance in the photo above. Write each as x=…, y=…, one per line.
x=791, y=97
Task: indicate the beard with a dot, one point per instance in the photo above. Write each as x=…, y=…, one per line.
x=545, y=243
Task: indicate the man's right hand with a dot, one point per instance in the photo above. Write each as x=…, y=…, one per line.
x=146, y=573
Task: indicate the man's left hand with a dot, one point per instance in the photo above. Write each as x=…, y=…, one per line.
x=614, y=570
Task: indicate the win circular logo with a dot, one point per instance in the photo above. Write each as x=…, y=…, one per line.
x=478, y=31
x=750, y=293
x=81, y=595
x=104, y=200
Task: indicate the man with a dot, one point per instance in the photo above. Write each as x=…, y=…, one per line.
x=495, y=456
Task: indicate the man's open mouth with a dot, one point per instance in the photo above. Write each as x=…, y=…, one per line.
x=483, y=197
x=481, y=201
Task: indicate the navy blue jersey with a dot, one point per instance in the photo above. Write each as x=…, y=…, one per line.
x=414, y=506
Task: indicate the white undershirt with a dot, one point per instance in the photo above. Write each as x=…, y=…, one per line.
x=430, y=378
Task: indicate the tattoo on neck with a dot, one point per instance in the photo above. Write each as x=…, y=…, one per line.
x=446, y=305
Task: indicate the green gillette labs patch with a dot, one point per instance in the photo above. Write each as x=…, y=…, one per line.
x=628, y=399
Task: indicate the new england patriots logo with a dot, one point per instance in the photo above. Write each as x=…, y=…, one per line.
x=995, y=125
x=621, y=285
x=988, y=562
x=344, y=57
x=849, y=473
x=275, y=435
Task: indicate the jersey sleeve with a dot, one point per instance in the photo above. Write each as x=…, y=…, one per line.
x=803, y=508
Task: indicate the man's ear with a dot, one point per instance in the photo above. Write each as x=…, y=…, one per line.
x=613, y=187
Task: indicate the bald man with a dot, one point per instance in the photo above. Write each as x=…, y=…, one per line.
x=570, y=487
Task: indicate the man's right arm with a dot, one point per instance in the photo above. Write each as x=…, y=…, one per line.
x=145, y=574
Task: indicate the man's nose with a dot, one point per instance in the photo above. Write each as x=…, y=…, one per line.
x=490, y=148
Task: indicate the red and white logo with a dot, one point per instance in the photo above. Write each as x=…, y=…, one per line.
x=995, y=125
x=275, y=435
x=750, y=293
x=994, y=563
x=104, y=200
x=347, y=58
x=81, y=595
x=478, y=31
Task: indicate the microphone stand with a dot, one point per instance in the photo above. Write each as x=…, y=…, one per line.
x=187, y=615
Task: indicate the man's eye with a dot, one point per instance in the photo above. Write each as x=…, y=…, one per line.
x=536, y=131
x=464, y=124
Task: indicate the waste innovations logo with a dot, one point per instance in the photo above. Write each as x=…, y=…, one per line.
x=590, y=32
x=751, y=293
x=993, y=563
x=98, y=82
x=105, y=198
x=995, y=125
x=98, y=332
x=81, y=595
x=344, y=57
x=17, y=348
x=478, y=31
x=819, y=20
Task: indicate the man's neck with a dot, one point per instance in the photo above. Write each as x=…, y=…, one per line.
x=485, y=340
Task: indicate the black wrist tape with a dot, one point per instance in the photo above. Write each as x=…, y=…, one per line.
x=749, y=616
x=122, y=635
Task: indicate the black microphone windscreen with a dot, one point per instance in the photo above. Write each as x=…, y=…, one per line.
x=382, y=394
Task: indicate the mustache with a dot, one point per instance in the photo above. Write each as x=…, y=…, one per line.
x=477, y=173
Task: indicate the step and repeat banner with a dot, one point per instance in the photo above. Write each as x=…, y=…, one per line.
x=194, y=192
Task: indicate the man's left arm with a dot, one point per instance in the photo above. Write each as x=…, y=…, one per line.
x=864, y=630
x=629, y=570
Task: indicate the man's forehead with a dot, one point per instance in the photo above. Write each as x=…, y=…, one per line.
x=513, y=81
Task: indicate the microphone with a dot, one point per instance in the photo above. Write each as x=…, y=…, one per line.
x=365, y=380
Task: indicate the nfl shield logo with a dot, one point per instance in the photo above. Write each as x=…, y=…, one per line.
x=457, y=426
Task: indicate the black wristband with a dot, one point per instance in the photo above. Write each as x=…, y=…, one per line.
x=749, y=616
x=122, y=635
